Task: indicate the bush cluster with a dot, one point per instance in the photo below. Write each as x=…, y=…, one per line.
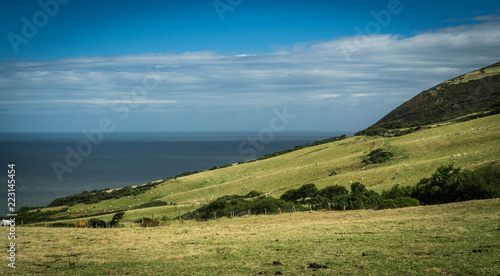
x=377, y=156
x=98, y=195
x=115, y=220
x=228, y=206
x=449, y=184
x=154, y=203
x=335, y=197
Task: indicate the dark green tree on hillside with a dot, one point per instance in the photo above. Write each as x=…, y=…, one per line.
x=307, y=190
x=116, y=219
x=331, y=191
x=397, y=191
x=449, y=184
x=327, y=197
x=358, y=188
x=290, y=196
x=481, y=183
x=438, y=188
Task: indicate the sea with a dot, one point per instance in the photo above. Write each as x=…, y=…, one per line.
x=52, y=165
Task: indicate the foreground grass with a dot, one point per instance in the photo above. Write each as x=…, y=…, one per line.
x=452, y=239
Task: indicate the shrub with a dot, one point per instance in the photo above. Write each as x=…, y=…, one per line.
x=253, y=193
x=149, y=222
x=449, y=184
x=399, y=202
x=97, y=196
x=397, y=191
x=290, y=196
x=153, y=203
x=115, y=220
x=437, y=189
x=358, y=188
x=331, y=191
x=481, y=183
x=325, y=197
x=377, y=156
x=224, y=206
x=307, y=190
x=339, y=202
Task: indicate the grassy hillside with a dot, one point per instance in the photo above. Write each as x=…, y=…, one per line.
x=477, y=91
x=466, y=144
x=452, y=239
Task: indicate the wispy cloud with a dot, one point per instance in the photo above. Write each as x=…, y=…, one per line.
x=489, y=17
x=380, y=75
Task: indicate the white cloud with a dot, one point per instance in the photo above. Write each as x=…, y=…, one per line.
x=489, y=17
x=391, y=67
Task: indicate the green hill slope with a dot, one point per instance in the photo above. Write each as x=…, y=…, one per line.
x=477, y=91
x=466, y=144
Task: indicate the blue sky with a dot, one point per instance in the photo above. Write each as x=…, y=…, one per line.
x=226, y=65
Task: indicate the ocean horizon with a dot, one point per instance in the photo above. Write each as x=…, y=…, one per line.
x=52, y=165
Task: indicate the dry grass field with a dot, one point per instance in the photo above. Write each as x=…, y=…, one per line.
x=452, y=239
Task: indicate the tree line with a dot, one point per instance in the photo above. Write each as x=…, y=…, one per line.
x=447, y=184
